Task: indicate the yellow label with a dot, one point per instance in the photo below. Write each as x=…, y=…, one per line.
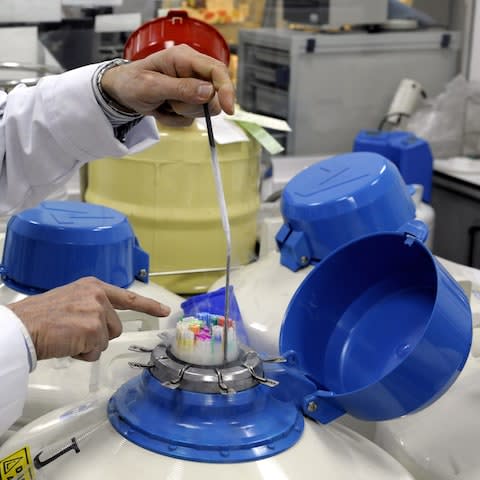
x=17, y=466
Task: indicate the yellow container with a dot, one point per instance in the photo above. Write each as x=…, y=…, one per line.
x=168, y=193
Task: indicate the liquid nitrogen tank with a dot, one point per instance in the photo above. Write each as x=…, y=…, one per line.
x=386, y=340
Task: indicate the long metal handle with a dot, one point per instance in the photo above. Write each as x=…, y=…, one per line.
x=225, y=222
x=189, y=271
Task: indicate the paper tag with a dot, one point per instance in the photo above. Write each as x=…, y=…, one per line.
x=263, y=137
x=18, y=465
x=224, y=130
x=261, y=120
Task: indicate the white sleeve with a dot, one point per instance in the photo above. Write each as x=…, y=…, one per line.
x=49, y=131
x=14, y=368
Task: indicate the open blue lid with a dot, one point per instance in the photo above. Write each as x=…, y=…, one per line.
x=337, y=200
x=380, y=326
x=58, y=242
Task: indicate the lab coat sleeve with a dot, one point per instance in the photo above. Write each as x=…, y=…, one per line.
x=49, y=131
x=14, y=369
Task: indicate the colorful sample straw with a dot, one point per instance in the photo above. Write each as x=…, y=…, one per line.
x=199, y=340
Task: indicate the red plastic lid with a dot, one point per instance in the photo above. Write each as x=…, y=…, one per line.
x=176, y=28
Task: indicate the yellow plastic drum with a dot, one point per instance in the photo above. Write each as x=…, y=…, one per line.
x=168, y=193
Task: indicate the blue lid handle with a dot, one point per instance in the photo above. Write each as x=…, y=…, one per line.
x=140, y=262
x=294, y=249
x=414, y=229
x=321, y=406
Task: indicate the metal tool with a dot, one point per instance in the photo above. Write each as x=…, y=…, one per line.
x=226, y=225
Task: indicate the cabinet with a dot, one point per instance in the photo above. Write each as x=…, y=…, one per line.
x=331, y=86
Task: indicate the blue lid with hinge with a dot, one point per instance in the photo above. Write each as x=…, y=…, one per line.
x=58, y=242
x=379, y=326
x=337, y=200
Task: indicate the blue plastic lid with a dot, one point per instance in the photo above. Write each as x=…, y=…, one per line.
x=58, y=242
x=338, y=200
x=380, y=326
x=250, y=425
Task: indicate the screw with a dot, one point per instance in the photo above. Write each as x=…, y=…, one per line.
x=304, y=260
x=312, y=407
x=143, y=273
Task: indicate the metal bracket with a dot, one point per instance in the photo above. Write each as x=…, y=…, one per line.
x=140, y=365
x=175, y=383
x=225, y=389
x=139, y=349
x=264, y=381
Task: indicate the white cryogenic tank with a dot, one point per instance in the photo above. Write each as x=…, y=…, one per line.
x=58, y=242
x=324, y=451
x=441, y=442
x=344, y=350
x=188, y=421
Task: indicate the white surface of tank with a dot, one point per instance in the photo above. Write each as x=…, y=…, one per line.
x=440, y=442
x=331, y=451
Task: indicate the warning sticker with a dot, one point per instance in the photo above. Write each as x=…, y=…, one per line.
x=17, y=466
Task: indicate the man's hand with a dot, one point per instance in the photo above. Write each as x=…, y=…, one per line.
x=79, y=319
x=172, y=85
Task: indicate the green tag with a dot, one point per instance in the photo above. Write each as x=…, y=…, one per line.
x=262, y=136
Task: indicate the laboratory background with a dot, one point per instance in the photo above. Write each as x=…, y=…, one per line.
x=319, y=248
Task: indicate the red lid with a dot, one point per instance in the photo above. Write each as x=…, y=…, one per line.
x=176, y=28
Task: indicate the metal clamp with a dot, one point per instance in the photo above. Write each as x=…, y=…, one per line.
x=139, y=349
x=175, y=383
x=224, y=388
x=141, y=365
x=265, y=381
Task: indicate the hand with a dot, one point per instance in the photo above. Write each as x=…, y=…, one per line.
x=172, y=85
x=79, y=319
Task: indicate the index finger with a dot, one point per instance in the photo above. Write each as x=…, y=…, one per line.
x=122, y=299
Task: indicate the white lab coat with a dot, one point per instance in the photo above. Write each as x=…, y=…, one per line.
x=46, y=133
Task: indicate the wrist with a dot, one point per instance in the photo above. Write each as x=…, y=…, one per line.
x=104, y=83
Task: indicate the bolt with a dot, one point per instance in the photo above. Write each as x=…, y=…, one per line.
x=304, y=260
x=312, y=407
x=143, y=273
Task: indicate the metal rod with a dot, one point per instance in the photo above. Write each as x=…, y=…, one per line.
x=226, y=226
x=189, y=271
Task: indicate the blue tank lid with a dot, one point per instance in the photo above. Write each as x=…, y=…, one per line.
x=58, y=242
x=380, y=327
x=337, y=200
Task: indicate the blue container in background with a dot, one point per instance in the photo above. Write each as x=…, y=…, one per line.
x=380, y=326
x=411, y=155
x=57, y=242
x=338, y=200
